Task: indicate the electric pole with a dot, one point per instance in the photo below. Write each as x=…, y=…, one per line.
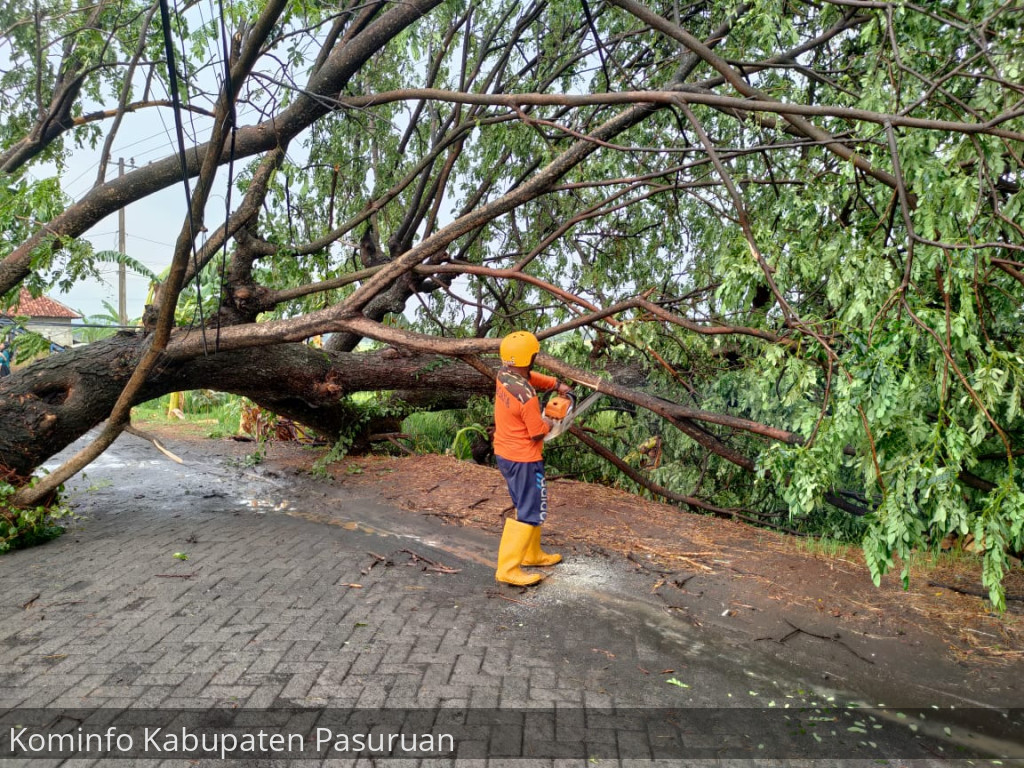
x=122, y=293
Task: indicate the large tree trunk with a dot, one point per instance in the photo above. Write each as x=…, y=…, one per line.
x=55, y=401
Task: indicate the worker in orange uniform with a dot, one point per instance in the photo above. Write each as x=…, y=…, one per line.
x=519, y=430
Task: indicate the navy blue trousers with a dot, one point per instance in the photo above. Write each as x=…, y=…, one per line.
x=528, y=489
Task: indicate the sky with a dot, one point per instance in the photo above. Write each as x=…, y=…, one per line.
x=149, y=238
x=151, y=225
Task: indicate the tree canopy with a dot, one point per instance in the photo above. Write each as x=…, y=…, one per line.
x=799, y=221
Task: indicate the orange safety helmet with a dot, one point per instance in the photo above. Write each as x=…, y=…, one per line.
x=518, y=349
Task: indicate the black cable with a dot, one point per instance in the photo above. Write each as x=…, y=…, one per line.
x=229, y=90
x=193, y=135
x=172, y=76
x=597, y=42
x=288, y=207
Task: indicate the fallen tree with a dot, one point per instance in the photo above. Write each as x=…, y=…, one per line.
x=62, y=397
x=799, y=224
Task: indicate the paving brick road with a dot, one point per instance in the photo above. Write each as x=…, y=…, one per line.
x=357, y=610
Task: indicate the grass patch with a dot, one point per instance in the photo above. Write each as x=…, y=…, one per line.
x=826, y=547
x=214, y=414
x=433, y=431
x=953, y=558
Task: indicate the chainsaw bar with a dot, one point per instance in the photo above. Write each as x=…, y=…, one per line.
x=560, y=426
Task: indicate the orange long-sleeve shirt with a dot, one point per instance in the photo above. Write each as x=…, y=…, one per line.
x=517, y=418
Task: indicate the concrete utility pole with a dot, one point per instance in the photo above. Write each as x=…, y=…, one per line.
x=122, y=292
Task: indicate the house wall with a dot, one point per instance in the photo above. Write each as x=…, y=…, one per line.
x=56, y=330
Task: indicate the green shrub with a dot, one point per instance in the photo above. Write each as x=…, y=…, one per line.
x=20, y=528
x=364, y=410
x=462, y=442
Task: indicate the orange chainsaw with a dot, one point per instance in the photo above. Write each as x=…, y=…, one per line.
x=562, y=410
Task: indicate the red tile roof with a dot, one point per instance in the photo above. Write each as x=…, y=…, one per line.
x=44, y=306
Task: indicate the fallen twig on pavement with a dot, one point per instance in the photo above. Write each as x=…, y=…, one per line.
x=159, y=446
x=831, y=638
x=377, y=559
x=431, y=564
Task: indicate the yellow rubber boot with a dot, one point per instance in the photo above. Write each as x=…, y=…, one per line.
x=511, y=551
x=537, y=556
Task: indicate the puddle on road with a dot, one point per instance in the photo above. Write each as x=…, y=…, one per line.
x=338, y=522
x=102, y=463
x=263, y=506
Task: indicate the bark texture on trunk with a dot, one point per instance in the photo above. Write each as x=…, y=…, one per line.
x=50, y=404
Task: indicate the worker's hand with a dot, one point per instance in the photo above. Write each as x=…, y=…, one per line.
x=563, y=388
